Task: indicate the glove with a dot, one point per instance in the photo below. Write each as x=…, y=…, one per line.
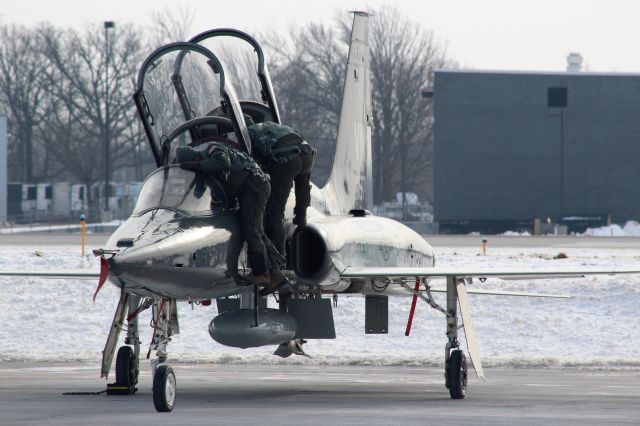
x=194, y=166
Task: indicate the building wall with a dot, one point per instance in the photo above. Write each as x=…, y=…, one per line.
x=498, y=151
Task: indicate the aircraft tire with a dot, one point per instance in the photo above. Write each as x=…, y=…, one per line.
x=164, y=389
x=126, y=367
x=457, y=375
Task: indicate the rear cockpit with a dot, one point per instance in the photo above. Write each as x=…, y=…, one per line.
x=242, y=57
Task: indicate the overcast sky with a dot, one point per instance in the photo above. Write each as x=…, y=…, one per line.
x=482, y=34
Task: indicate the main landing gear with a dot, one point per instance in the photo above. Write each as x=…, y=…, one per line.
x=455, y=362
x=127, y=360
x=127, y=369
x=456, y=374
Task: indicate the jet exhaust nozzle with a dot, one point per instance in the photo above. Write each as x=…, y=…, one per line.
x=238, y=328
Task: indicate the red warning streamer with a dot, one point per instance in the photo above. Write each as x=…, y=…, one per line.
x=104, y=273
x=413, y=307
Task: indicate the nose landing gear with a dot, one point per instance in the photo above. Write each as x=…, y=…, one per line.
x=164, y=389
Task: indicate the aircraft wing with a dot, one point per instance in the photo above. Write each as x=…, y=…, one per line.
x=479, y=272
x=456, y=278
x=402, y=292
x=78, y=274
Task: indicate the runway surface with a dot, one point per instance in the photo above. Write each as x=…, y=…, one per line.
x=321, y=395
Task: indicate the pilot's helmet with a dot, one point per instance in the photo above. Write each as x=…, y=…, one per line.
x=208, y=131
x=185, y=154
x=219, y=111
x=248, y=120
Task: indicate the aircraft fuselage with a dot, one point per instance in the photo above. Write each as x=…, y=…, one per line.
x=169, y=253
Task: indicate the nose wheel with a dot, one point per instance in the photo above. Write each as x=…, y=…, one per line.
x=164, y=389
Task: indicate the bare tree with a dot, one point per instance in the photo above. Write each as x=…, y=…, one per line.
x=75, y=123
x=171, y=23
x=403, y=59
x=22, y=94
x=309, y=76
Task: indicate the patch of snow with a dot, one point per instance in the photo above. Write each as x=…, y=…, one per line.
x=630, y=229
x=50, y=228
x=515, y=234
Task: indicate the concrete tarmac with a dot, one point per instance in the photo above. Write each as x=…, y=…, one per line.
x=31, y=394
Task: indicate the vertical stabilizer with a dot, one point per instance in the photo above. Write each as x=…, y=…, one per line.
x=350, y=184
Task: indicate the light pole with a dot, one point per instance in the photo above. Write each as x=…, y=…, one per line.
x=557, y=103
x=427, y=94
x=107, y=25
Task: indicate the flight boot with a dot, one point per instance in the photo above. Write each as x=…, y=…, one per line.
x=259, y=274
x=262, y=279
x=278, y=279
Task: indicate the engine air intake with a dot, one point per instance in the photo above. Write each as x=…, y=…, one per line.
x=310, y=258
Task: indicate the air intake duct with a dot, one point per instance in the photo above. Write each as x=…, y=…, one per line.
x=310, y=258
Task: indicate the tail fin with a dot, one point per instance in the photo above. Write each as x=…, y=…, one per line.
x=350, y=184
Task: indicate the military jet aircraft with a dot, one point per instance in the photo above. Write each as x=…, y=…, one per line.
x=183, y=242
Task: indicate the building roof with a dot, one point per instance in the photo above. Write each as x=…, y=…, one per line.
x=554, y=73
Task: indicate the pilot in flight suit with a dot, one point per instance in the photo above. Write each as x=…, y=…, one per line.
x=240, y=177
x=288, y=158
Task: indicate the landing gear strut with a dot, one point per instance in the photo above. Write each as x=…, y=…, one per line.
x=165, y=322
x=455, y=370
x=127, y=360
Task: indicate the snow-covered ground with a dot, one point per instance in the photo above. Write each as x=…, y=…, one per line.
x=55, y=320
x=18, y=229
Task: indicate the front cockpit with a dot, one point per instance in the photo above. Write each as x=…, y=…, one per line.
x=181, y=230
x=187, y=193
x=184, y=97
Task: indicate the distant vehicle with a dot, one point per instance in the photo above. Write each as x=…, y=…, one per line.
x=183, y=241
x=412, y=209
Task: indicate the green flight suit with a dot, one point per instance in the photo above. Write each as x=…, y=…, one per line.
x=288, y=158
x=241, y=177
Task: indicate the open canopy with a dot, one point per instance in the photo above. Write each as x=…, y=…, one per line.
x=178, y=85
x=242, y=57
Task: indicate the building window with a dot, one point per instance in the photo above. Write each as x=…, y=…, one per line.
x=557, y=97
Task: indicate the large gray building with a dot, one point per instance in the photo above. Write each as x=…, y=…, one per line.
x=514, y=146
